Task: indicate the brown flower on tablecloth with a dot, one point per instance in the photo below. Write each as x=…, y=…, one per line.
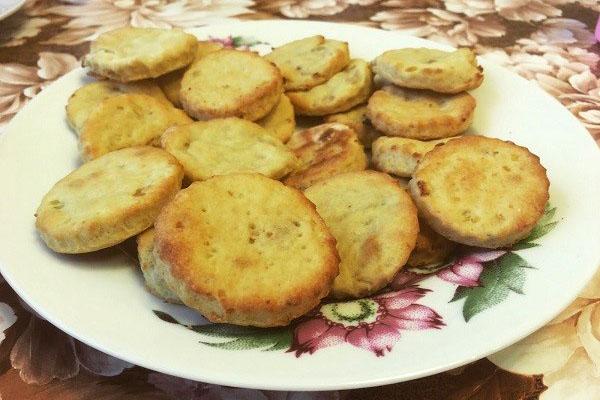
x=566, y=351
x=557, y=58
x=441, y=25
x=527, y=10
x=515, y=10
x=90, y=18
x=7, y=319
x=184, y=389
x=43, y=353
x=307, y=8
x=19, y=83
x=563, y=31
x=15, y=31
x=591, y=4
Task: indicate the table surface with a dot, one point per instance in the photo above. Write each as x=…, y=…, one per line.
x=550, y=42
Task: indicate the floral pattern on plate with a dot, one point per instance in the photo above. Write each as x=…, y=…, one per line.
x=483, y=277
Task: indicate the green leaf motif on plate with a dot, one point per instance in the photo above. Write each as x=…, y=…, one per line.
x=238, y=337
x=245, y=338
x=486, y=279
x=543, y=227
x=499, y=278
x=166, y=317
x=239, y=41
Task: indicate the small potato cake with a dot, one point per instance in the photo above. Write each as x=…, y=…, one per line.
x=280, y=122
x=308, y=62
x=227, y=146
x=440, y=71
x=108, y=200
x=357, y=119
x=346, y=89
x=231, y=83
x=155, y=283
x=130, y=54
x=127, y=120
x=374, y=222
x=480, y=191
x=171, y=83
x=420, y=115
x=324, y=151
x=400, y=156
x=86, y=99
x=245, y=249
x=431, y=248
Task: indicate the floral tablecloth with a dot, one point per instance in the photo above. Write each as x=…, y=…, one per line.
x=551, y=42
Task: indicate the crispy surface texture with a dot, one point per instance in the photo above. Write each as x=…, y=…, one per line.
x=374, y=222
x=400, y=156
x=171, y=83
x=108, y=200
x=280, y=122
x=480, y=191
x=231, y=83
x=440, y=71
x=324, y=151
x=431, y=248
x=346, y=89
x=357, y=119
x=155, y=283
x=420, y=115
x=227, y=146
x=130, y=54
x=85, y=99
x=309, y=62
x=275, y=266
x=127, y=120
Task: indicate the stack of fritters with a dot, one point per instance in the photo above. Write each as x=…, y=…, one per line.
x=270, y=221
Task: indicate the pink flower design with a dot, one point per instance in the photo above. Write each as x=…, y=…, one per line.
x=465, y=271
x=405, y=278
x=239, y=42
x=226, y=41
x=373, y=324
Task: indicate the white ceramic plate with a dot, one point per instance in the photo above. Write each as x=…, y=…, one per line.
x=9, y=7
x=416, y=331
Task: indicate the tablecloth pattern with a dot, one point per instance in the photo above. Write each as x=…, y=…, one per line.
x=550, y=42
